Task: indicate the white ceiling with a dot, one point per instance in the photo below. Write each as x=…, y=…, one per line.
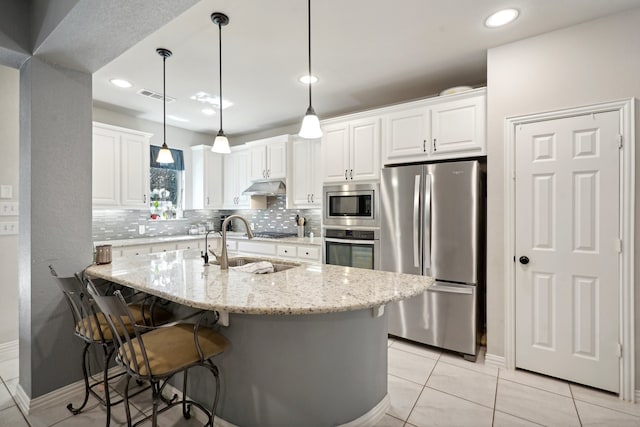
x=367, y=53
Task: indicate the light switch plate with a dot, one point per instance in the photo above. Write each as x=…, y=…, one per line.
x=6, y=191
x=8, y=228
x=9, y=209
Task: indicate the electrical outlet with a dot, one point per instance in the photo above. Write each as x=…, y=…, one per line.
x=9, y=209
x=8, y=228
x=141, y=229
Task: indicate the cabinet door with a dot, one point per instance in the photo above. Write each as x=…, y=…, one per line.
x=257, y=163
x=407, y=133
x=458, y=128
x=212, y=180
x=315, y=175
x=335, y=152
x=134, y=173
x=365, y=149
x=242, y=178
x=229, y=187
x=277, y=160
x=301, y=172
x=106, y=167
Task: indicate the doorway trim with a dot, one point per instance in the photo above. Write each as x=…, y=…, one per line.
x=626, y=109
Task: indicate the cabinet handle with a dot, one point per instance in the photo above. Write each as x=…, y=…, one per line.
x=207, y=200
x=308, y=198
x=424, y=145
x=306, y=253
x=345, y=174
x=434, y=145
x=351, y=173
x=268, y=173
x=286, y=251
x=264, y=173
x=144, y=196
x=312, y=199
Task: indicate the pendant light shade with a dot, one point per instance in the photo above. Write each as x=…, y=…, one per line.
x=164, y=155
x=221, y=143
x=310, y=128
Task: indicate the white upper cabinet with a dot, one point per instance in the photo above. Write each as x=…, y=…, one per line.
x=206, y=173
x=134, y=173
x=304, y=186
x=351, y=150
x=442, y=127
x=236, y=179
x=458, y=127
x=407, y=132
x=120, y=176
x=268, y=158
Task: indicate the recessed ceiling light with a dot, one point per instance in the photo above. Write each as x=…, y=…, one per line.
x=306, y=79
x=208, y=111
x=121, y=83
x=501, y=17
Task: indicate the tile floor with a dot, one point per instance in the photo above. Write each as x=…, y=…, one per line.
x=427, y=387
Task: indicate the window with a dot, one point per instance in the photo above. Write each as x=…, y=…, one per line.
x=166, y=185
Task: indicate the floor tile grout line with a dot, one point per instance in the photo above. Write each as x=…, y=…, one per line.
x=495, y=401
x=15, y=402
x=405, y=379
x=421, y=391
x=537, y=388
x=573, y=400
x=603, y=405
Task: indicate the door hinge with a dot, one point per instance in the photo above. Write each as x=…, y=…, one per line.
x=619, y=245
x=620, y=141
x=619, y=350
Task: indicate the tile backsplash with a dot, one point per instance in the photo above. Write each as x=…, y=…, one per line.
x=118, y=224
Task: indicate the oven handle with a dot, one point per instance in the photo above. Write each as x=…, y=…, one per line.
x=351, y=241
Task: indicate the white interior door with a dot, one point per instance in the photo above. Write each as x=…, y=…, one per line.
x=566, y=241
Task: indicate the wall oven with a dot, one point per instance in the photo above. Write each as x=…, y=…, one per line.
x=352, y=247
x=351, y=205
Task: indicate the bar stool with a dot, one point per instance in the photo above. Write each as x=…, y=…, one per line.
x=92, y=327
x=156, y=353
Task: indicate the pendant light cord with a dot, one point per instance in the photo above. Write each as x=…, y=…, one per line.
x=220, y=63
x=309, y=38
x=164, y=99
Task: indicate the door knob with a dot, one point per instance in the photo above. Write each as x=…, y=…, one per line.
x=524, y=260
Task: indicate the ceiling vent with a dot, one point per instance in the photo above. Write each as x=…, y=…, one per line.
x=155, y=95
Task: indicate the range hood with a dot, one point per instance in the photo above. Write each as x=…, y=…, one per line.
x=266, y=188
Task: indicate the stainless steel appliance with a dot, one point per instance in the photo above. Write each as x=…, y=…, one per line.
x=351, y=205
x=352, y=247
x=432, y=224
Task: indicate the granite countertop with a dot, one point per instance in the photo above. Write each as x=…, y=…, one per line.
x=180, y=276
x=233, y=235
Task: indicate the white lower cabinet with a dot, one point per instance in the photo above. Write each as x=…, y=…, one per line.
x=162, y=247
x=287, y=251
x=129, y=251
x=309, y=253
x=262, y=248
x=189, y=244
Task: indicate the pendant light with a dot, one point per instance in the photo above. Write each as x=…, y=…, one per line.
x=164, y=155
x=310, y=128
x=221, y=143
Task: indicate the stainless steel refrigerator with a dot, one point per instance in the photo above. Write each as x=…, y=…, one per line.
x=432, y=223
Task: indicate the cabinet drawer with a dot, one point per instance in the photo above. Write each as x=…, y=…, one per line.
x=190, y=244
x=163, y=247
x=309, y=252
x=135, y=250
x=287, y=251
x=232, y=245
x=257, y=248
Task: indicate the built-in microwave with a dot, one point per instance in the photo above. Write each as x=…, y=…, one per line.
x=351, y=205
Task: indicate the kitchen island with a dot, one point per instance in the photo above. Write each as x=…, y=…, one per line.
x=308, y=344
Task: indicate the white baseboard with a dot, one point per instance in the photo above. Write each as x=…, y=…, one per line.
x=495, y=361
x=61, y=396
x=8, y=350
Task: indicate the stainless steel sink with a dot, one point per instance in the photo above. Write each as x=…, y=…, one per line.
x=277, y=266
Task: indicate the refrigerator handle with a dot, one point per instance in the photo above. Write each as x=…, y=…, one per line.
x=426, y=226
x=416, y=222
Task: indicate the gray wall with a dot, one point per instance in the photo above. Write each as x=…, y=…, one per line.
x=590, y=63
x=9, y=144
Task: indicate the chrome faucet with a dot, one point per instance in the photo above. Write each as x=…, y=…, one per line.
x=224, y=258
